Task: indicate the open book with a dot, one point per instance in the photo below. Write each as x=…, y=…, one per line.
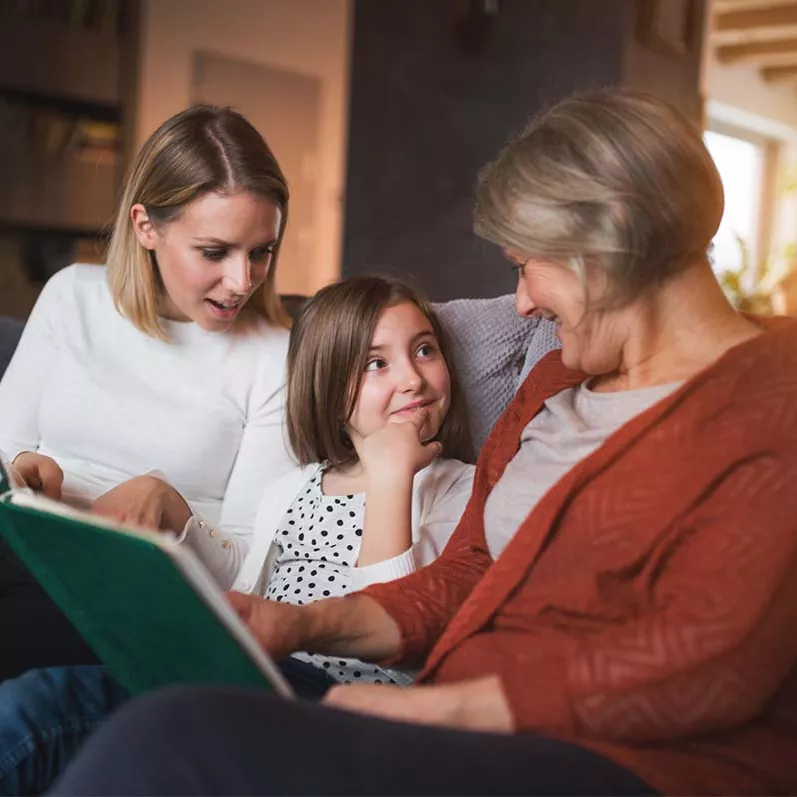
x=147, y=606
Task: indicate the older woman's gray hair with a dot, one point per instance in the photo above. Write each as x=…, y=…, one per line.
x=612, y=179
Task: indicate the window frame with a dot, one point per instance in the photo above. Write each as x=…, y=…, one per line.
x=771, y=156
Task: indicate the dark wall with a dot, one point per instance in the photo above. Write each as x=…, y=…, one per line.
x=426, y=115
x=672, y=75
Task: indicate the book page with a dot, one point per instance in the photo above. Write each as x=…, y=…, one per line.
x=9, y=478
x=27, y=498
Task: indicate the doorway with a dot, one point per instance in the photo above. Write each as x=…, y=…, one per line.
x=285, y=107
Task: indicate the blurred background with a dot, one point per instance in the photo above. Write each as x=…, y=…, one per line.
x=381, y=113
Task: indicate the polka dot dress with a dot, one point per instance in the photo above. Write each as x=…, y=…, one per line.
x=319, y=542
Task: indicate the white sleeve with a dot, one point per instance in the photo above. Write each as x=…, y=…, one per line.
x=263, y=457
x=445, y=510
x=435, y=529
x=387, y=570
x=222, y=554
x=25, y=379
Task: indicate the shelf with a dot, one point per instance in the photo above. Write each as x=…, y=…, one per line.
x=74, y=106
x=68, y=192
x=45, y=57
x=66, y=90
x=78, y=233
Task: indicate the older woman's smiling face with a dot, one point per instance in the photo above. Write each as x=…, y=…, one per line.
x=591, y=338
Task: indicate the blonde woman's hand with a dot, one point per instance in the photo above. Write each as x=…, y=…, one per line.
x=40, y=473
x=397, y=449
x=145, y=501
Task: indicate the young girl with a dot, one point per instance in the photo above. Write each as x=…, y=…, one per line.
x=377, y=421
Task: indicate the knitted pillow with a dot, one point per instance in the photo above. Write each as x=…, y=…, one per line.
x=542, y=341
x=490, y=345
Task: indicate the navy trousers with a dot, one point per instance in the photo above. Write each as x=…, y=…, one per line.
x=214, y=741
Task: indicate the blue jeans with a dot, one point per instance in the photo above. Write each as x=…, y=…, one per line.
x=47, y=714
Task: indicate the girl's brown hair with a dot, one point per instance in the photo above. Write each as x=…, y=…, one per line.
x=327, y=356
x=201, y=149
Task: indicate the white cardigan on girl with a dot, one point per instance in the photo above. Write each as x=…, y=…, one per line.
x=440, y=494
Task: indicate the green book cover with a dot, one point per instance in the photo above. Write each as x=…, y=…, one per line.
x=147, y=606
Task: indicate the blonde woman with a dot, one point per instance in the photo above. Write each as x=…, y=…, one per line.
x=166, y=367
x=616, y=611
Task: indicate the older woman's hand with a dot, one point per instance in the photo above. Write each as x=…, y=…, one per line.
x=145, y=501
x=277, y=626
x=477, y=705
x=354, y=626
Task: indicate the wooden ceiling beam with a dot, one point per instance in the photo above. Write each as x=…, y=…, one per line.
x=768, y=17
x=773, y=74
x=733, y=53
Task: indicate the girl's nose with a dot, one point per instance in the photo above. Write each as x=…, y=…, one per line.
x=412, y=379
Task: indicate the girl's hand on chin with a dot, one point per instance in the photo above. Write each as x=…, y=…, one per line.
x=396, y=451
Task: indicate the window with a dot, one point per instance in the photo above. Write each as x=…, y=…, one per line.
x=742, y=164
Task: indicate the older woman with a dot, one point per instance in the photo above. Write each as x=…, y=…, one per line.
x=616, y=611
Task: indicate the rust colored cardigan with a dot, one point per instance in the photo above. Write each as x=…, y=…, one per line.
x=647, y=607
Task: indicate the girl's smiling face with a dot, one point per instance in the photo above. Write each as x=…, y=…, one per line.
x=405, y=372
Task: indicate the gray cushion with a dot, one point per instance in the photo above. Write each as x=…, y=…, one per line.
x=542, y=341
x=491, y=344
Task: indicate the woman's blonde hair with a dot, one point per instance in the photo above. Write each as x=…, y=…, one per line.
x=204, y=148
x=327, y=356
x=612, y=179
